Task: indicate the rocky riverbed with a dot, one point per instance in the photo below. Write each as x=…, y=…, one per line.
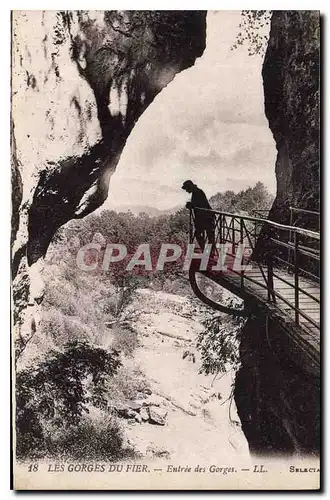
x=182, y=413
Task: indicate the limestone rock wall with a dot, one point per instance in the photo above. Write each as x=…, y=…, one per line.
x=80, y=81
x=291, y=86
x=277, y=392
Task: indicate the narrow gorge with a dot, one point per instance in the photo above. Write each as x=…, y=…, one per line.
x=84, y=88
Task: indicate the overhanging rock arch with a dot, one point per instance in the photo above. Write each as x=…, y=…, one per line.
x=120, y=60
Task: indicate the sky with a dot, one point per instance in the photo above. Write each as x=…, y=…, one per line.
x=207, y=125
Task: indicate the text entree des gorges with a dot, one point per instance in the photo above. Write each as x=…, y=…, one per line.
x=140, y=468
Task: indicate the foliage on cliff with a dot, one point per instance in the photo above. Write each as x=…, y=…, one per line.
x=219, y=342
x=53, y=396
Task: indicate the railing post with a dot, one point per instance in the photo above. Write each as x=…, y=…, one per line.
x=296, y=276
x=270, y=283
x=190, y=226
x=290, y=240
x=220, y=228
x=233, y=235
x=241, y=243
x=270, y=276
x=224, y=222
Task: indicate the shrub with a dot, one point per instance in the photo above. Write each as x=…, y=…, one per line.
x=56, y=393
x=99, y=439
x=125, y=340
x=219, y=342
x=126, y=385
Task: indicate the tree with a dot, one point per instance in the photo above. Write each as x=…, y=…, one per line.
x=57, y=392
x=248, y=200
x=218, y=343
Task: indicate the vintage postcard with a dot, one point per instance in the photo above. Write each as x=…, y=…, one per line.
x=165, y=250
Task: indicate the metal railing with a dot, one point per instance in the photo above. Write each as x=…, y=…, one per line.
x=296, y=211
x=301, y=217
x=286, y=257
x=261, y=213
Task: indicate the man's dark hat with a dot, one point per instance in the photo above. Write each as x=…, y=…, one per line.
x=187, y=184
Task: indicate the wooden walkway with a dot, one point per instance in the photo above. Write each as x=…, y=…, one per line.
x=254, y=293
x=288, y=294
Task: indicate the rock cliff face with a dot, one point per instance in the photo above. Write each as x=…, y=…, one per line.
x=277, y=390
x=119, y=62
x=277, y=393
x=291, y=85
x=80, y=82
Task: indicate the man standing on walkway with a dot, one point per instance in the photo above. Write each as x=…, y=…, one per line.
x=204, y=221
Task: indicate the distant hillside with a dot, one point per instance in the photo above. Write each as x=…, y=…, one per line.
x=247, y=200
x=137, y=209
x=152, y=211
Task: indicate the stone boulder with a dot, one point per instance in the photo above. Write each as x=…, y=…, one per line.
x=157, y=415
x=144, y=414
x=126, y=413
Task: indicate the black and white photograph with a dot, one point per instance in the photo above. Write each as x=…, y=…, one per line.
x=165, y=249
